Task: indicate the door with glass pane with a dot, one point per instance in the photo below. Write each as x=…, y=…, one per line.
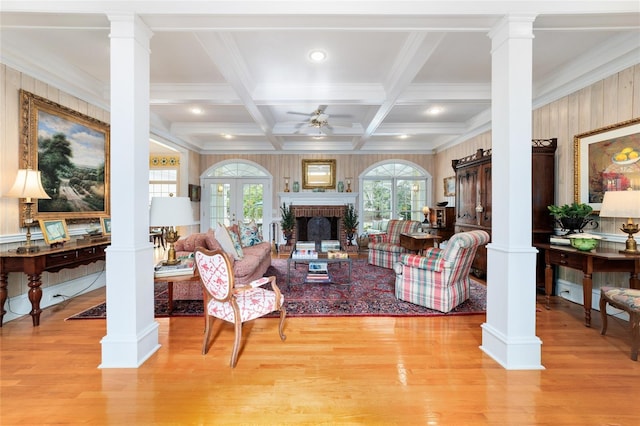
x=233, y=201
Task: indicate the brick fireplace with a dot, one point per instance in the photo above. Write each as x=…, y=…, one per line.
x=318, y=215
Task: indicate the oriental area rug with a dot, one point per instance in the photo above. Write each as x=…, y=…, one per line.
x=370, y=293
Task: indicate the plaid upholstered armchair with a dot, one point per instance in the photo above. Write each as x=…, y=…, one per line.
x=385, y=249
x=440, y=279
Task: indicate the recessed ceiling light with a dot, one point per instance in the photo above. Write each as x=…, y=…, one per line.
x=227, y=136
x=434, y=110
x=403, y=136
x=317, y=55
x=197, y=110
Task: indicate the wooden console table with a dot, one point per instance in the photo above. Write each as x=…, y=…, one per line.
x=49, y=260
x=600, y=260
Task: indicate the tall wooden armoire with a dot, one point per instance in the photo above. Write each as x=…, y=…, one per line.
x=473, y=197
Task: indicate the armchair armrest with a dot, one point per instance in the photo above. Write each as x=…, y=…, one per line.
x=378, y=238
x=432, y=261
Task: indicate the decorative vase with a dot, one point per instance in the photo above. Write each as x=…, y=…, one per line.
x=296, y=186
x=340, y=186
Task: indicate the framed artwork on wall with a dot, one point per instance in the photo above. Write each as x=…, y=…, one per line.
x=194, y=192
x=450, y=186
x=606, y=159
x=318, y=174
x=54, y=231
x=71, y=150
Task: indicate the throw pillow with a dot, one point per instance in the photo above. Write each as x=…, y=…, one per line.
x=226, y=242
x=236, y=244
x=249, y=234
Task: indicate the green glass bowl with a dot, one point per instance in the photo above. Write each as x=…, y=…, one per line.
x=584, y=244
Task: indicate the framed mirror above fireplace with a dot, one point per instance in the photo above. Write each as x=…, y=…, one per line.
x=318, y=174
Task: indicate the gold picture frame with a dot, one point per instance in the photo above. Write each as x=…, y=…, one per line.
x=54, y=231
x=450, y=186
x=71, y=150
x=105, y=224
x=318, y=174
x=602, y=164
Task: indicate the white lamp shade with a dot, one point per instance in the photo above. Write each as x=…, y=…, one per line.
x=170, y=211
x=28, y=185
x=621, y=204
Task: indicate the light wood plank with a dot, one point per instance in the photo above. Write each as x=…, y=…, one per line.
x=328, y=371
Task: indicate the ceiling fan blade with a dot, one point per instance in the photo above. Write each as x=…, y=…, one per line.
x=299, y=113
x=321, y=109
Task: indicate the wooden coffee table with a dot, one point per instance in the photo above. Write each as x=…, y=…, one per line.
x=192, y=278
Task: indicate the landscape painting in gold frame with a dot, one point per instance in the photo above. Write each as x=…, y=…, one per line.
x=71, y=150
x=606, y=159
x=318, y=174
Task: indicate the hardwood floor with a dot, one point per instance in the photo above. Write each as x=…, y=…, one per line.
x=329, y=371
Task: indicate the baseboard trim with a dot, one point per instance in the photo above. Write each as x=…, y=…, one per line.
x=573, y=292
x=19, y=306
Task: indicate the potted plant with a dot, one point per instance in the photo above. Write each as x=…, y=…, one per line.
x=288, y=222
x=572, y=217
x=350, y=222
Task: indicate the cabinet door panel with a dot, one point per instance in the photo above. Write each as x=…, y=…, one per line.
x=467, y=195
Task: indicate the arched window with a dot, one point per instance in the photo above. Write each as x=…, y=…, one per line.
x=235, y=191
x=393, y=189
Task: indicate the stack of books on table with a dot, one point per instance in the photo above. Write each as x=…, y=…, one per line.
x=185, y=267
x=337, y=254
x=304, y=254
x=560, y=240
x=318, y=271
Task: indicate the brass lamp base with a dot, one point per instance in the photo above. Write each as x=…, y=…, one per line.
x=631, y=247
x=171, y=237
x=27, y=249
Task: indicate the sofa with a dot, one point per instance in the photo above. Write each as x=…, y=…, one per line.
x=253, y=263
x=385, y=248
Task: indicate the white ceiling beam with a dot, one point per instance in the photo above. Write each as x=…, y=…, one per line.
x=415, y=53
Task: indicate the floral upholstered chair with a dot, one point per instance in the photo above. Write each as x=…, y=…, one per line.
x=234, y=304
x=385, y=249
x=628, y=300
x=440, y=279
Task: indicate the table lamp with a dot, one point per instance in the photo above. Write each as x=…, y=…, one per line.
x=624, y=204
x=28, y=185
x=169, y=212
x=425, y=212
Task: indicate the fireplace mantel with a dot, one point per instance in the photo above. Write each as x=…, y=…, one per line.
x=318, y=198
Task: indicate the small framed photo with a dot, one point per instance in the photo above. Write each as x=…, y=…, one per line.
x=54, y=231
x=105, y=222
x=450, y=186
x=194, y=192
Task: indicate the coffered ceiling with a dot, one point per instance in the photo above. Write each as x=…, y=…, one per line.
x=245, y=65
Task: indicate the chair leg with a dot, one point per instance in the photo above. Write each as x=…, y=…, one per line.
x=283, y=314
x=634, y=320
x=603, y=314
x=236, y=343
x=208, y=325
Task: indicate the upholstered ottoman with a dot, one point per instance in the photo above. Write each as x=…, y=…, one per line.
x=628, y=300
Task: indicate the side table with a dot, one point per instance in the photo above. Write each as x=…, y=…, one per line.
x=192, y=278
x=419, y=241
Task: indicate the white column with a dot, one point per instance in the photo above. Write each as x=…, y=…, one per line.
x=132, y=332
x=508, y=336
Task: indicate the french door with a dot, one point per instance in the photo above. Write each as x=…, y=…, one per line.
x=231, y=201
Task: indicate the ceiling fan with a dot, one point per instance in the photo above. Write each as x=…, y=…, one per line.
x=318, y=119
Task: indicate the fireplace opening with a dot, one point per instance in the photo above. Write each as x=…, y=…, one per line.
x=318, y=223
x=317, y=228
